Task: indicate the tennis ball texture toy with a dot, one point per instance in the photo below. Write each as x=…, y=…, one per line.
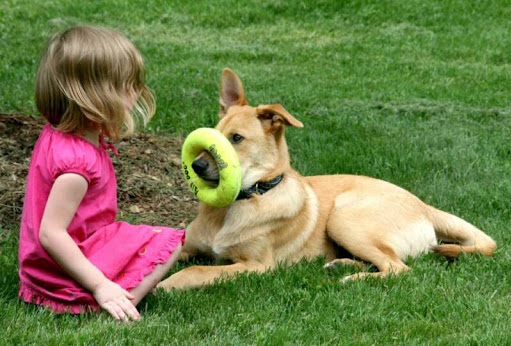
x=226, y=159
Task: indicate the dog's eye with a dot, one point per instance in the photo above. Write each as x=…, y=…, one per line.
x=236, y=138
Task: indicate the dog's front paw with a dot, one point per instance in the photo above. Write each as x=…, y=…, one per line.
x=175, y=281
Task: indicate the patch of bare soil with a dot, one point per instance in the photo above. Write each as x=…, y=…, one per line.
x=151, y=188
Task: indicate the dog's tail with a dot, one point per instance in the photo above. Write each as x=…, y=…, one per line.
x=460, y=236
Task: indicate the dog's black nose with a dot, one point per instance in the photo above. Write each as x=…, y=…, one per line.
x=199, y=166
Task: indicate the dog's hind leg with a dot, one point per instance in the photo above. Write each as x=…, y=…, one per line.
x=381, y=256
x=369, y=251
x=346, y=262
x=371, y=238
x=385, y=268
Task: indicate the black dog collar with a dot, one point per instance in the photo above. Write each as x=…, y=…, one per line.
x=259, y=188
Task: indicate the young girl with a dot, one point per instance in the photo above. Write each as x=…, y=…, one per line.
x=74, y=256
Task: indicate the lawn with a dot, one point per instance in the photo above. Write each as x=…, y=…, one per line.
x=413, y=92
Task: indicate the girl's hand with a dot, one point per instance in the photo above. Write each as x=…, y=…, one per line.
x=116, y=301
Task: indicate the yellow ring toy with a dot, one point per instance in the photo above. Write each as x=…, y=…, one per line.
x=226, y=159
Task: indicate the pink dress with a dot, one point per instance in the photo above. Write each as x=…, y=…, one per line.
x=125, y=253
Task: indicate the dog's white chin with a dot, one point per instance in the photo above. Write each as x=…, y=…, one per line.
x=250, y=176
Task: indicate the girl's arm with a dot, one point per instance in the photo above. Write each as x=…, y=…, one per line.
x=65, y=197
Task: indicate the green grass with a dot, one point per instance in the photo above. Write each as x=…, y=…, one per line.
x=414, y=92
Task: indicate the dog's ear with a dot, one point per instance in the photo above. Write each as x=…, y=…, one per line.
x=274, y=116
x=231, y=91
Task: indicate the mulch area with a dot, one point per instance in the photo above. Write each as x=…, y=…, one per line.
x=151, y=188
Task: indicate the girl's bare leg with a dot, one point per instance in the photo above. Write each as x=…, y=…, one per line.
x=150, y=280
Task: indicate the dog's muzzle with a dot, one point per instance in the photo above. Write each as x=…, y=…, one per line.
x=206, y=170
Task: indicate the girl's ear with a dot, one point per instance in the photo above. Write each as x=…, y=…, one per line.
x=231, y=91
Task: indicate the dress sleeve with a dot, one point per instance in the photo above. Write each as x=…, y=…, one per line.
x=79, y=158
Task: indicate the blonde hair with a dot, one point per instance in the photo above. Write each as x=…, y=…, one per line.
x=85, y=78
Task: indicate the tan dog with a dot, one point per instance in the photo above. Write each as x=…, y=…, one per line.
x=282, y=217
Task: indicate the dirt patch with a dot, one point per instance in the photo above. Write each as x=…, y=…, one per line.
x=151, y=188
